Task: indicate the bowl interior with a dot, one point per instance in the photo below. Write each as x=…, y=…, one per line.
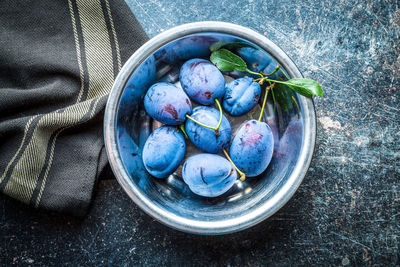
x=172, y=194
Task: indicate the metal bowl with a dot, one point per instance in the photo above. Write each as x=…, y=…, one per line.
x=126, y=127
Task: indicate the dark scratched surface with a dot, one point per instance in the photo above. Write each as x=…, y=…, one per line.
x=347, y=210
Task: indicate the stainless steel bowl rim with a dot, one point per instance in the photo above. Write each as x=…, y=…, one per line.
x=224, y=226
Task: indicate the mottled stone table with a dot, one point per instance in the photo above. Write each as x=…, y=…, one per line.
x=347, y=210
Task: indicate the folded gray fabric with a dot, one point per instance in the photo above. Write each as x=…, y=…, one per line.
x=58, y=62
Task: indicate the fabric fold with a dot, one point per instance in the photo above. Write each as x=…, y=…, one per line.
x=58, y=63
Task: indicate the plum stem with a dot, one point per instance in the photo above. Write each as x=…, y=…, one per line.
x=273, y=97
x=242, y=175
x=199, y=123
x=275, y=70
x=210, y=127
x=253, y=72
x=275, y=81
x=264, y=102
x=285, y=75
x=220, y=114
x=182, y=127
x=297, y=105
x=261, y=80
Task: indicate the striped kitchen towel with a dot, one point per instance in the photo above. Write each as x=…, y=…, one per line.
x=58, y=61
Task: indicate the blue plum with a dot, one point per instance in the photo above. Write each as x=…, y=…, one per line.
x=241, y=95
x=186, y=48
x=256, y=59
x=163, y=151
x=208, y=175
x=202, y=81
x=252, y=147
x=167, y=103
x=138, y=83
x=206, y=139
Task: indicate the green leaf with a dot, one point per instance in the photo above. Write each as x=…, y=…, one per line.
x=227, y=61
x=283, y=95
x=305, y=87
x=217, y=45
x=236, y=45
